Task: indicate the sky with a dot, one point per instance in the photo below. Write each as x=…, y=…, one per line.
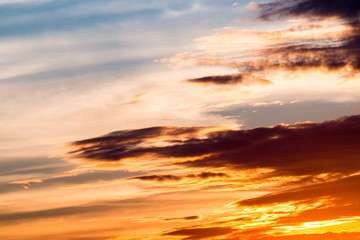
x=164, y=119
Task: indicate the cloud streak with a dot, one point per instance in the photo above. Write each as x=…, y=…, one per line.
x=183, y=219
x=200, y=176
x=241, y=79
x=199, y=233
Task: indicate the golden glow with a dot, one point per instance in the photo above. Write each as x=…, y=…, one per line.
x=335, y=225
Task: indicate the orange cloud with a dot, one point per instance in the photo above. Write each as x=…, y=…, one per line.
x=199, y=233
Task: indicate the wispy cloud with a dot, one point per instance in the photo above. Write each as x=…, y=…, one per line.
x=160, y=178
x=199, y=233
x=189, y=218
x=241, y=79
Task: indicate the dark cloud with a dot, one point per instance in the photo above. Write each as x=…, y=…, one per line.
x=299, y=149
x=120, y=144
x=136, y=135
x=324, y=156
x=346, y=9
x=243, y=79
x=337, y=52
x=333, y=56
x=326, y=54
x=205, y=175
x=325, y=59
x=161, y=178
x=199, y=233
x=189, y=218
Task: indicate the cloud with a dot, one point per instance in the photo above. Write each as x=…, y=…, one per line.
x=136, y=135
x=161, y=178
x=346, y=52
x=129, y=143
x=183, y=219
x=300, y=149
x=199, y=233
x=253, y=6
x=325, y=37
x=267, y=103
x=348, y=9
x=242, y=79
x=288, y=150
x=297, y=155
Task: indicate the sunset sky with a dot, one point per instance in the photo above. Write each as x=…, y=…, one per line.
x=179, y=120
